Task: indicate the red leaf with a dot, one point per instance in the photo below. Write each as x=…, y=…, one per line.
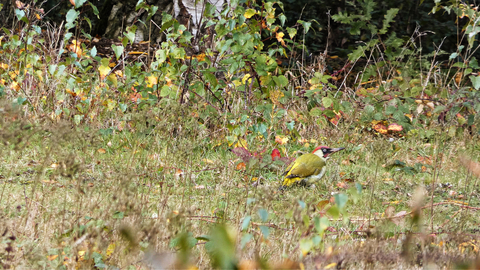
x=275, y=154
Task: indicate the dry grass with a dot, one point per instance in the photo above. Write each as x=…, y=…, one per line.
x=73, y=198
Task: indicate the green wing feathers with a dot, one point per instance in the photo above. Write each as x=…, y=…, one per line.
x=298, y=170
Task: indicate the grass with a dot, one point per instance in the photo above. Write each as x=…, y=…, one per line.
x=78, y=197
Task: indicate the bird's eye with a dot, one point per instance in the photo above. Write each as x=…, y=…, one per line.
x=324, y=150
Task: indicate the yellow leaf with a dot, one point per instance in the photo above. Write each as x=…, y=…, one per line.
x=104, y=70
x=168, y=81
x=15, y=86
x=241, y=143
x=75, y=48
x=330, y=265
x=101, y=151
x=81, y=253
x=207, y=161
x=279, y=36
x=246, y=79
x=110, y=249
x=281, y=140
x=52, y=257
x=275, y=95
x=151, y=81
x=200, y=57
x=249, y=13
x=111, y=104
x=3, y=65
x=113, y=79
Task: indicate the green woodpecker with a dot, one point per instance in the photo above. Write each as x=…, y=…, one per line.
x=308, y=168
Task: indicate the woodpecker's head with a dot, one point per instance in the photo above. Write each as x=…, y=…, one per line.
x=324, y=151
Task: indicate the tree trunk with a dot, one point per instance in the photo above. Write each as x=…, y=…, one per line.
x=116, y=15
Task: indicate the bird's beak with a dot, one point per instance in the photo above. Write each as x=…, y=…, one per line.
x=333, y=150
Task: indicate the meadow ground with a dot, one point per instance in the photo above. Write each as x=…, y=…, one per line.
x=170, y=196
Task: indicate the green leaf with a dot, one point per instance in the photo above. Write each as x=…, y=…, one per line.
x=357, y=53
x=439, y=109
x=306, y=25
x=263, y=214
x=95, y=10
x=93, y=51
x=473, y=63
x=282, y=19
x=21, y=100
x=475, y=81
x=161, y=56
x=391, y=13
x=131, y=33
x=118, y=50
x=368, y=109
x=291, y=32
x=21, y=15
x=321, y=224
x=245, y=239
x=79, y=3
x=71, y=16
x=302, y=204
x=221, y=247
x=390, y=110
x=316, y=111
x=265, y=231
x=359, y=188
x=280, y=81
x=340, y=200
x=246, y=222
x=165, y=91
x=122, y=106
x=306, y=244
x=210, y=78
x=327, y=102
x=333, y=211
x=77, y=119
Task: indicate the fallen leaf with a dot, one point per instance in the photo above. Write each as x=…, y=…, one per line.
x=241, y=166
x=380, y=128
x=275, y=154
x=281, y=140
x=321, y=205
x=342, y=185
x=395, y=127
x=206, y=160
x=330, y=265
x=52, y=257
